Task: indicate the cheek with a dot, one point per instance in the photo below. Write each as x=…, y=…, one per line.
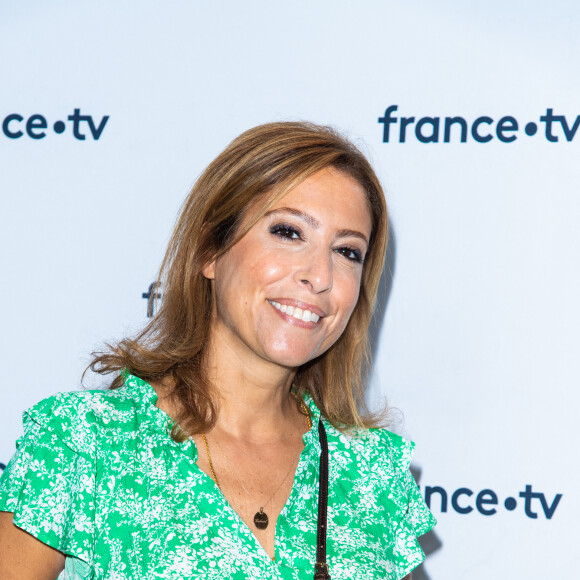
x=246, y=278
x=263, y=273
x=350, y=291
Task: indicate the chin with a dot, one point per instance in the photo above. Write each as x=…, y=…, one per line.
x=290, y=358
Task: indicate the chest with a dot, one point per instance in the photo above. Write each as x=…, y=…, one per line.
x=158, y=515
x=255, y=482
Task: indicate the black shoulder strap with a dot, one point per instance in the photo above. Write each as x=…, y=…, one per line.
x=321, y=568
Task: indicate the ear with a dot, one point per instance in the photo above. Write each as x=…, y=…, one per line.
x=209, y=270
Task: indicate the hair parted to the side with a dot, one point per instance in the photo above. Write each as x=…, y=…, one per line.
x=256, y=169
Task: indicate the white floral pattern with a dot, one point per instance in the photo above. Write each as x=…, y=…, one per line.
x=98, y=477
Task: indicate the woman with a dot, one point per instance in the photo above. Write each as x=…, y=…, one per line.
x=206, y=458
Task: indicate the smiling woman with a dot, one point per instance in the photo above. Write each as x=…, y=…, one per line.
x=302, y=257
x=239, y=409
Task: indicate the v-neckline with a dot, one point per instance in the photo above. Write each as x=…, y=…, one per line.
x=189, y=450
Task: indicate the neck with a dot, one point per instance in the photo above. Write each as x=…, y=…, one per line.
x=253, y=394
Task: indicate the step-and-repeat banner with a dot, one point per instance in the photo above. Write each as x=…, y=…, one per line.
x=470, y=114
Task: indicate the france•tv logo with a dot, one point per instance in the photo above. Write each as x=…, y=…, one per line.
x=465, y=501
x=483, y=129
x=16, y=126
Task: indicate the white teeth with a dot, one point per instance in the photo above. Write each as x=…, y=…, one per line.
x=298, y=313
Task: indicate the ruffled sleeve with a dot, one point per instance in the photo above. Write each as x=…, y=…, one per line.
x=411, y=517
x=49, y=483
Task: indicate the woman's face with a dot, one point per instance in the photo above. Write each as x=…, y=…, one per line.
x=286, y=290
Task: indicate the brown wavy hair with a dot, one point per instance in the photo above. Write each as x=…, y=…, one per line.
x=256, y=169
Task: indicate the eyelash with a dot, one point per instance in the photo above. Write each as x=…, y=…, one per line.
x=289, y=233
x=281, y=230
x=346, y=251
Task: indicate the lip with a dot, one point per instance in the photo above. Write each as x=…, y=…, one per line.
x=299, y=304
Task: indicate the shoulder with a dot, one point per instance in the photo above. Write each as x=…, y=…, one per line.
x=85, y=407
x=374, y=452
x=377, y=447
x=80, y=418
x=371, y=466
x=371, y=471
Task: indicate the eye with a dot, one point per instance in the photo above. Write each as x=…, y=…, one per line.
x=351, y=254
x=285, y=231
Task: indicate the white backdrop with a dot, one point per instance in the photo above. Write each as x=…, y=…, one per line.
x=478, y=335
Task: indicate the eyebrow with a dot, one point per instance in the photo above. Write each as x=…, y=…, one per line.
x=344, y=233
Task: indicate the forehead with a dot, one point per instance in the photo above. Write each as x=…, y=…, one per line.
x=330, y=193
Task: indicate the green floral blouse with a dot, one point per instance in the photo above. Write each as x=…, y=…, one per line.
x=98, y=477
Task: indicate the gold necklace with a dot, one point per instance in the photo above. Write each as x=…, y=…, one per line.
x=260, y=517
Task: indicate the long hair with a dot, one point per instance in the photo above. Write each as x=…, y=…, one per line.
x=256, y=169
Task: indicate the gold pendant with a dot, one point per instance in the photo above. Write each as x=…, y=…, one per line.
x=261, y=520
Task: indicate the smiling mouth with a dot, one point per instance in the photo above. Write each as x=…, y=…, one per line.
x=295, y=312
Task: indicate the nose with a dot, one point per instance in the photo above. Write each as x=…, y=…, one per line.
x=316, y=271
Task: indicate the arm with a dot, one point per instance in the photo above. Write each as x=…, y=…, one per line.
x=23, y=557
